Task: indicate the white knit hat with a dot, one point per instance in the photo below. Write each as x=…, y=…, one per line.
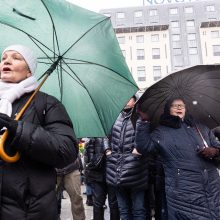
x=27, y=54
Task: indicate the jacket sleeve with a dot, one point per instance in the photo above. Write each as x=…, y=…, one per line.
x=144, y=141
x=54, y=143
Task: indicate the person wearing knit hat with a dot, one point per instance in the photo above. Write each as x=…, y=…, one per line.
x=43, y=136
x=26, y=53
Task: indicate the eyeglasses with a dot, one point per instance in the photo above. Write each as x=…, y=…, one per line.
x=178, y=106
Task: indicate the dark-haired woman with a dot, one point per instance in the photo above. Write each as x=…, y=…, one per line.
x=189, y=151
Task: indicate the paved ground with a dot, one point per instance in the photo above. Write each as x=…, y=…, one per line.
x=66, y=209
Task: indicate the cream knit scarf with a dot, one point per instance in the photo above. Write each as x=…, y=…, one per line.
x=9, y=92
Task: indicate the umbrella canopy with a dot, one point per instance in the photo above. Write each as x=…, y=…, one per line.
x=199, y=86
x=91, y=79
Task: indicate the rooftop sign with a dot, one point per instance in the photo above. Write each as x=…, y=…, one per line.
x=159, y=2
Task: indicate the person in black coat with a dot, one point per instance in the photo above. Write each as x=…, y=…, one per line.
x=189, y=151
x=95, y=175
x=43, y=136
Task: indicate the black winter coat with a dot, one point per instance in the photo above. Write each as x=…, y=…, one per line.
x=192, y=182
x=124, y=169
x=94, y=159
x=28, y=186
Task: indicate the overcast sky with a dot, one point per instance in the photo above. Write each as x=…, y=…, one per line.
x=97, y=5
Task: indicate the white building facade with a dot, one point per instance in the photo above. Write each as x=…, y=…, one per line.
x=158, y=39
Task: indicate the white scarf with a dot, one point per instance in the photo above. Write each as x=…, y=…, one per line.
x=9, y=92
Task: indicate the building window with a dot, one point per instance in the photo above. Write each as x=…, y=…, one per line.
x=212, y=19
x=153, y=12
x=210, y=8
x=190, y=23
x=173, y=11
x=120, y=15
x=174, y=24
x=193, y=50
x=138, y=14
x=191, y=36
x=141, y=74
x=176, y=37
x=177, y=51
x=157, y=72
x=188, y=10
x=216, y=50
x=155, y=53
x=124, y=53
x=155, y=37
x=140, y=39
x=121, y=40
x=214, y=34
x=140, y=54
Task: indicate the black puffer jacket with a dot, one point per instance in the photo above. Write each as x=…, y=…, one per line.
x=28, y=186
x=124, y=169
x=95, y=160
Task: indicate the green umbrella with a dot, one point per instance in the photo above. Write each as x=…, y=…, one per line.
x=91, y=77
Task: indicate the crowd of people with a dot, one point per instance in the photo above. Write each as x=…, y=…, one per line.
x=170, y=173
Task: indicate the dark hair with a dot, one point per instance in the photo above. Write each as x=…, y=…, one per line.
x=134, y=97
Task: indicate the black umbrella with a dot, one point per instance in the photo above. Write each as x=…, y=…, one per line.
x=199, y=86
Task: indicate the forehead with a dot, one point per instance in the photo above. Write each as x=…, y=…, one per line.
x=11, y=52
x=178, y=101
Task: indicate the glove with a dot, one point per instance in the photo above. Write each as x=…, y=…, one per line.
x=9, y=123
x=209, y=152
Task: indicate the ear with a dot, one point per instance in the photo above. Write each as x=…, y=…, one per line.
x=29, y=74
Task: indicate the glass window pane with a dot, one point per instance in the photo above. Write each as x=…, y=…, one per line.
x=153, y=12
x=190, y=23
x=176, y=37
x=121, y=39
x=138, y=14
x=155, y=53
x=140, y=39
x=141, y=74
x=193, y=50
x=173, y=11
x=120, y=15
x=155, y=37
x=215, y=34
x=140, y=54
x=216, y=50
x=188, y=10
x=157, y=72
x=174, y=24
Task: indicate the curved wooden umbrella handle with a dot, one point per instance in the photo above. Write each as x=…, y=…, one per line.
x=4, y=155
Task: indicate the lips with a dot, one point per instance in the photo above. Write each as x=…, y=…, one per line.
x=6, y=69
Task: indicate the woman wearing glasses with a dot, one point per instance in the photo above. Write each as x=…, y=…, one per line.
x=189, y=151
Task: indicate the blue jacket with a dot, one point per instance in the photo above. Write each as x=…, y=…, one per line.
x=192, y=182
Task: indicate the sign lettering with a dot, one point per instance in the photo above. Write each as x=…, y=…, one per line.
x=159, y=2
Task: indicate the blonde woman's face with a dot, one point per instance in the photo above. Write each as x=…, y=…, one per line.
x=178, y=108
x=13, y=67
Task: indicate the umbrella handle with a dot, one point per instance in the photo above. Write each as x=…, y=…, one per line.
x=4, y=156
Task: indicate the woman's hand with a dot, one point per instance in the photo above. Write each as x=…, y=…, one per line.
x=209, y=152
x=135, y=152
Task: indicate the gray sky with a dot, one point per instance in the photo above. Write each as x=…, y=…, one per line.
x=96, y=5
